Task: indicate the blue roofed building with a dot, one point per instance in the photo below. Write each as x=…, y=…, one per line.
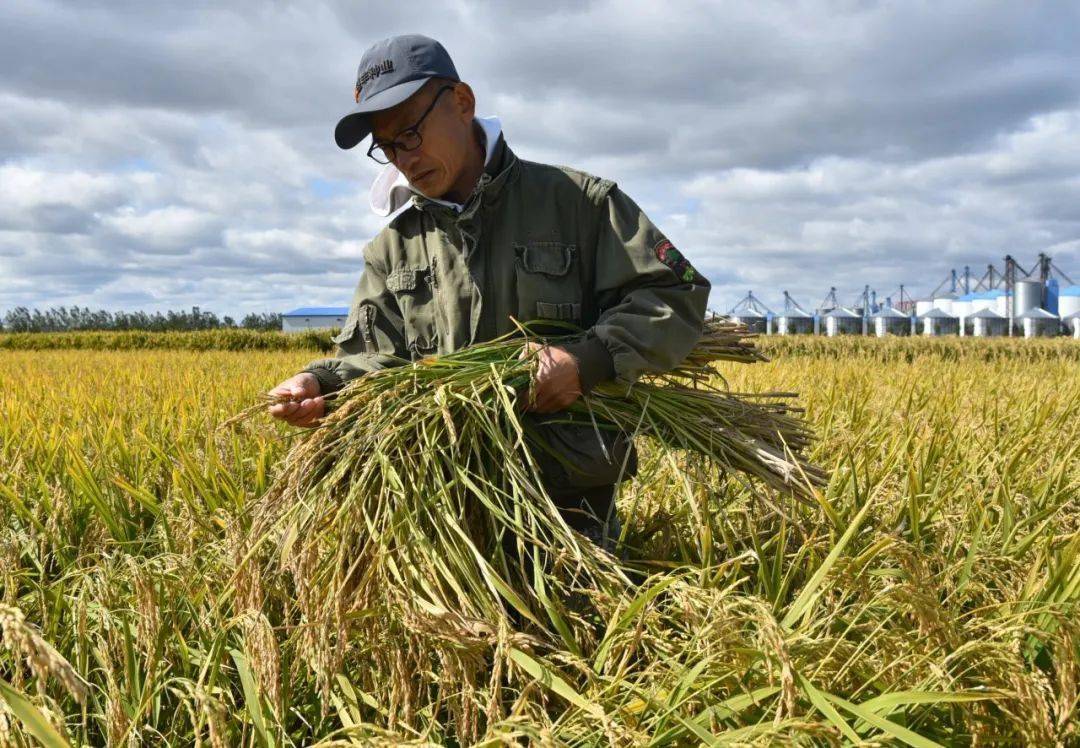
x=314, y=318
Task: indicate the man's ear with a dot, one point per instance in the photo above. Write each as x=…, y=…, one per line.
x=356, y=94
x=464, y=101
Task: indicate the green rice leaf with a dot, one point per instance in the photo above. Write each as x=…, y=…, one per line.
x=33, y=720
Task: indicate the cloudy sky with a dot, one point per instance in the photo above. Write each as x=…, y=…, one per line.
x=183, y=155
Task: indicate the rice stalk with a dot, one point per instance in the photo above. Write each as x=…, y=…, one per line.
x=416, y=514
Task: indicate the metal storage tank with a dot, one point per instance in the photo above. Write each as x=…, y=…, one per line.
x=939, y=322
x=754, y=321
x=1039, y=323
x=891, y=321
x=1069, y=301
x=1028, y=296
x=988, y=323
x=841, y=321
x=1072, y=325
x=794, y=322
x=923, y=306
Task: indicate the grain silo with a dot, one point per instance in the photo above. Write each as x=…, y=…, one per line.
x=987, y=323
x=999, y=301
x=986, y=300
x=1068, y=301
x=891, y=321
x=1029, y=295
x=754, y=322
x=961, y=308
x=1039, y=323
x=842, y=321
x=752, y=313
x=944, y=302
x=939, y=322
x=1072, y=325
x=794, y=322
x=922, y=306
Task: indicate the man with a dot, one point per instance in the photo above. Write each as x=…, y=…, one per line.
x=488, y=237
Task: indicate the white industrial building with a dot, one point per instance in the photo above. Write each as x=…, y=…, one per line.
x=314, y=318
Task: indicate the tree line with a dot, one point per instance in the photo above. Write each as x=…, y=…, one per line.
x=72, y=319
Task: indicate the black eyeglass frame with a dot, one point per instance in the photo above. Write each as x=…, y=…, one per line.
x=395, y=145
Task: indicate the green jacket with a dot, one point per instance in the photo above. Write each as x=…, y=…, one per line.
x=533, y=241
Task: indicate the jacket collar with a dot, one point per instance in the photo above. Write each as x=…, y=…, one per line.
x=500, y=171
x=391, y=190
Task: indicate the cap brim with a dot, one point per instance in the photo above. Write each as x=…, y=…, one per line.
x=355, y=126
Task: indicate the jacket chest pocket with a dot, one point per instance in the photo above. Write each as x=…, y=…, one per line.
x=548, y=282
x=414, y=290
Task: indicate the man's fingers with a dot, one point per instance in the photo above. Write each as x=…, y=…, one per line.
x=306, y=408
x=550, y=402
x=531, y=348
x=543, y=402
x=303, y=422
x=310, y=410
x=296, y=413
x=284, y=410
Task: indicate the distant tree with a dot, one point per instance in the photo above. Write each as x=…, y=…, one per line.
x=69, y=319
x=264, y=321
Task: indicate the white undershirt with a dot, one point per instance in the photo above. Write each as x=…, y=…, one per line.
x=391, y=190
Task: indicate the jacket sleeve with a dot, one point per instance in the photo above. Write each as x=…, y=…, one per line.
x=372, y=337
x=651, y=300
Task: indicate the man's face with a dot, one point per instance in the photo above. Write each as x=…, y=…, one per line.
x=446, y=132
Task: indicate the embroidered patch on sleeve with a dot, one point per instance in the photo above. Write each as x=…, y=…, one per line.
x=673, y=258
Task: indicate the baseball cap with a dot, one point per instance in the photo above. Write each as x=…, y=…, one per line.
x=391, y=71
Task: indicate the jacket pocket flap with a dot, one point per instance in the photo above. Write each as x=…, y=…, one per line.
x=347, y=330
x=358, y=319
x=549, y=258
x=566, y=312
x=404, y=279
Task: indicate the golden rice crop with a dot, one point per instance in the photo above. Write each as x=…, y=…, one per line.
x=927, y=594
x=193, y=340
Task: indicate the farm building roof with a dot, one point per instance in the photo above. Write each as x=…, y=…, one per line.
x=318, y=311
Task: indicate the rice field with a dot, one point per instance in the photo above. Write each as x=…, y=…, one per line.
x=927, y=595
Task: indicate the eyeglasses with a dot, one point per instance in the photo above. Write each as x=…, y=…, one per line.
x=408, y=139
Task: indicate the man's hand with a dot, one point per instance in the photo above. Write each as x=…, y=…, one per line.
x=556, y=383
x=306, y=406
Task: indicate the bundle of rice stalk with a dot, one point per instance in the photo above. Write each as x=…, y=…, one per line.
x=422, y=549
